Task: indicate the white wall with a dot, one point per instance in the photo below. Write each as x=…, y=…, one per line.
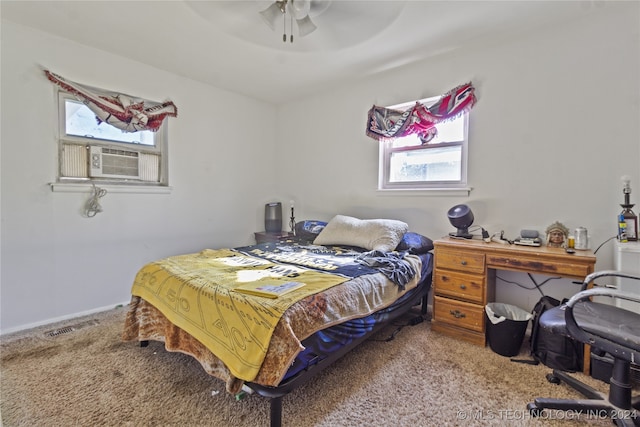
x=555, y=127
x=57, y=263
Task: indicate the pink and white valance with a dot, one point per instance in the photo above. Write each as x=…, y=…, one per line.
x=121, y=111
x=385, y=123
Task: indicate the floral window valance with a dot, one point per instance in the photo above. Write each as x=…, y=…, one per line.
x=119, y=110
x=385, y=123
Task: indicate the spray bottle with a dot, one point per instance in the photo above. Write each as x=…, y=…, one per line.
x=622, y=229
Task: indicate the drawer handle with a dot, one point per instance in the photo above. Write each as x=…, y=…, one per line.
x=457, y=314
x=463, y=262
x=463, y=286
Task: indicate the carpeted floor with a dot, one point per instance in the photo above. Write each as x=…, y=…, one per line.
x=89, y=377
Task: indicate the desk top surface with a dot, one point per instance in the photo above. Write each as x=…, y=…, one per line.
x=514, y=250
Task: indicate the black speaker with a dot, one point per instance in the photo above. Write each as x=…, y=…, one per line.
x=273, y=217
x=461, y=217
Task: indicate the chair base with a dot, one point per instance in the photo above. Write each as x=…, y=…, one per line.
x=619, y=405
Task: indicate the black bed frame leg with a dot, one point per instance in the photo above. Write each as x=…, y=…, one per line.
x=425, y=302
x=276, y=411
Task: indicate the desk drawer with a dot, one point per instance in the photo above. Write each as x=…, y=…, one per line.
x=458, y=313
x=467, y=261
x=561, y=267
x=464, y=286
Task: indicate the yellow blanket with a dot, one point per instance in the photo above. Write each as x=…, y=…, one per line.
x=195, y=292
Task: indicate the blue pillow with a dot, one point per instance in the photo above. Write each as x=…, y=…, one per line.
x=309, y=229
x=415, y=243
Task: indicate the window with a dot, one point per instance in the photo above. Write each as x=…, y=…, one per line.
x=100, y=152
x=405, y=163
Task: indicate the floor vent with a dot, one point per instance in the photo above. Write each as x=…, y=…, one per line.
x=71, y=328
x=60, y=331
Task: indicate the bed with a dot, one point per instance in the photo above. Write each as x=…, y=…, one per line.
x=358, y=276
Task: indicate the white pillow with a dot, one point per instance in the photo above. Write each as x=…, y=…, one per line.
x=372, y=234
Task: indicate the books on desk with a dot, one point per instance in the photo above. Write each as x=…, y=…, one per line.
x=268, y=290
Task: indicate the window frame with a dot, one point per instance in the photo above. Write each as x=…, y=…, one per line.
x=386, y=151
x=160, y=148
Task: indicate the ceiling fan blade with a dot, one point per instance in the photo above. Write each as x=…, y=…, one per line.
x=299, y=8
x=317, y=7
x=271, y=14
x=305, y=26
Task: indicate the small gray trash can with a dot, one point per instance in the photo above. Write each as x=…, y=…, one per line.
x=506, y=327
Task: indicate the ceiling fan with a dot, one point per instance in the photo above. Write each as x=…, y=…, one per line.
x=297, y=10
x=340, y=24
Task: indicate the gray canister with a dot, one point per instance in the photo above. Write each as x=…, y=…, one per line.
x=582, y=239
x=273, y=217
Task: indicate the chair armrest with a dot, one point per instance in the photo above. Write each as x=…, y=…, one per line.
x=580, y=334
x=605, y=292
x=607, y=273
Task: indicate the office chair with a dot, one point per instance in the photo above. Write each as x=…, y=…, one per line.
x=607, y=328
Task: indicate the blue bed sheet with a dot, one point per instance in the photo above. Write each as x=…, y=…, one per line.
x=332, y=339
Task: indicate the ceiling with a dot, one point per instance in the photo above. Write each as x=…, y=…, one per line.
x=226, y=43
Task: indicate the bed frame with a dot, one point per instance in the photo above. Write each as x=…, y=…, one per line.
x=315, y=360
x=275, y=394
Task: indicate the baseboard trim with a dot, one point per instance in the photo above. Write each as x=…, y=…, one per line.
x=61, y=318
x=85, y=313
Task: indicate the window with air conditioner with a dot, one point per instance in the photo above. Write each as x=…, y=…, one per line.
x=99, y=152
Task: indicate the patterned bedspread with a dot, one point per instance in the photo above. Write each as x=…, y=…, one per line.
x=197, y=292
x=354, y=298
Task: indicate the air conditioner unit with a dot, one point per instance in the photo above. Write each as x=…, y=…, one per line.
x=107, y=162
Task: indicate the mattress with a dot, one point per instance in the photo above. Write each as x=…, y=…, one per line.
x=309, y=329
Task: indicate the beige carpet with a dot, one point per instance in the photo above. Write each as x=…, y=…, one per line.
x=89, y=377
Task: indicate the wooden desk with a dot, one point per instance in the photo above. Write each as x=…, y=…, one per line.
x=464, y=280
